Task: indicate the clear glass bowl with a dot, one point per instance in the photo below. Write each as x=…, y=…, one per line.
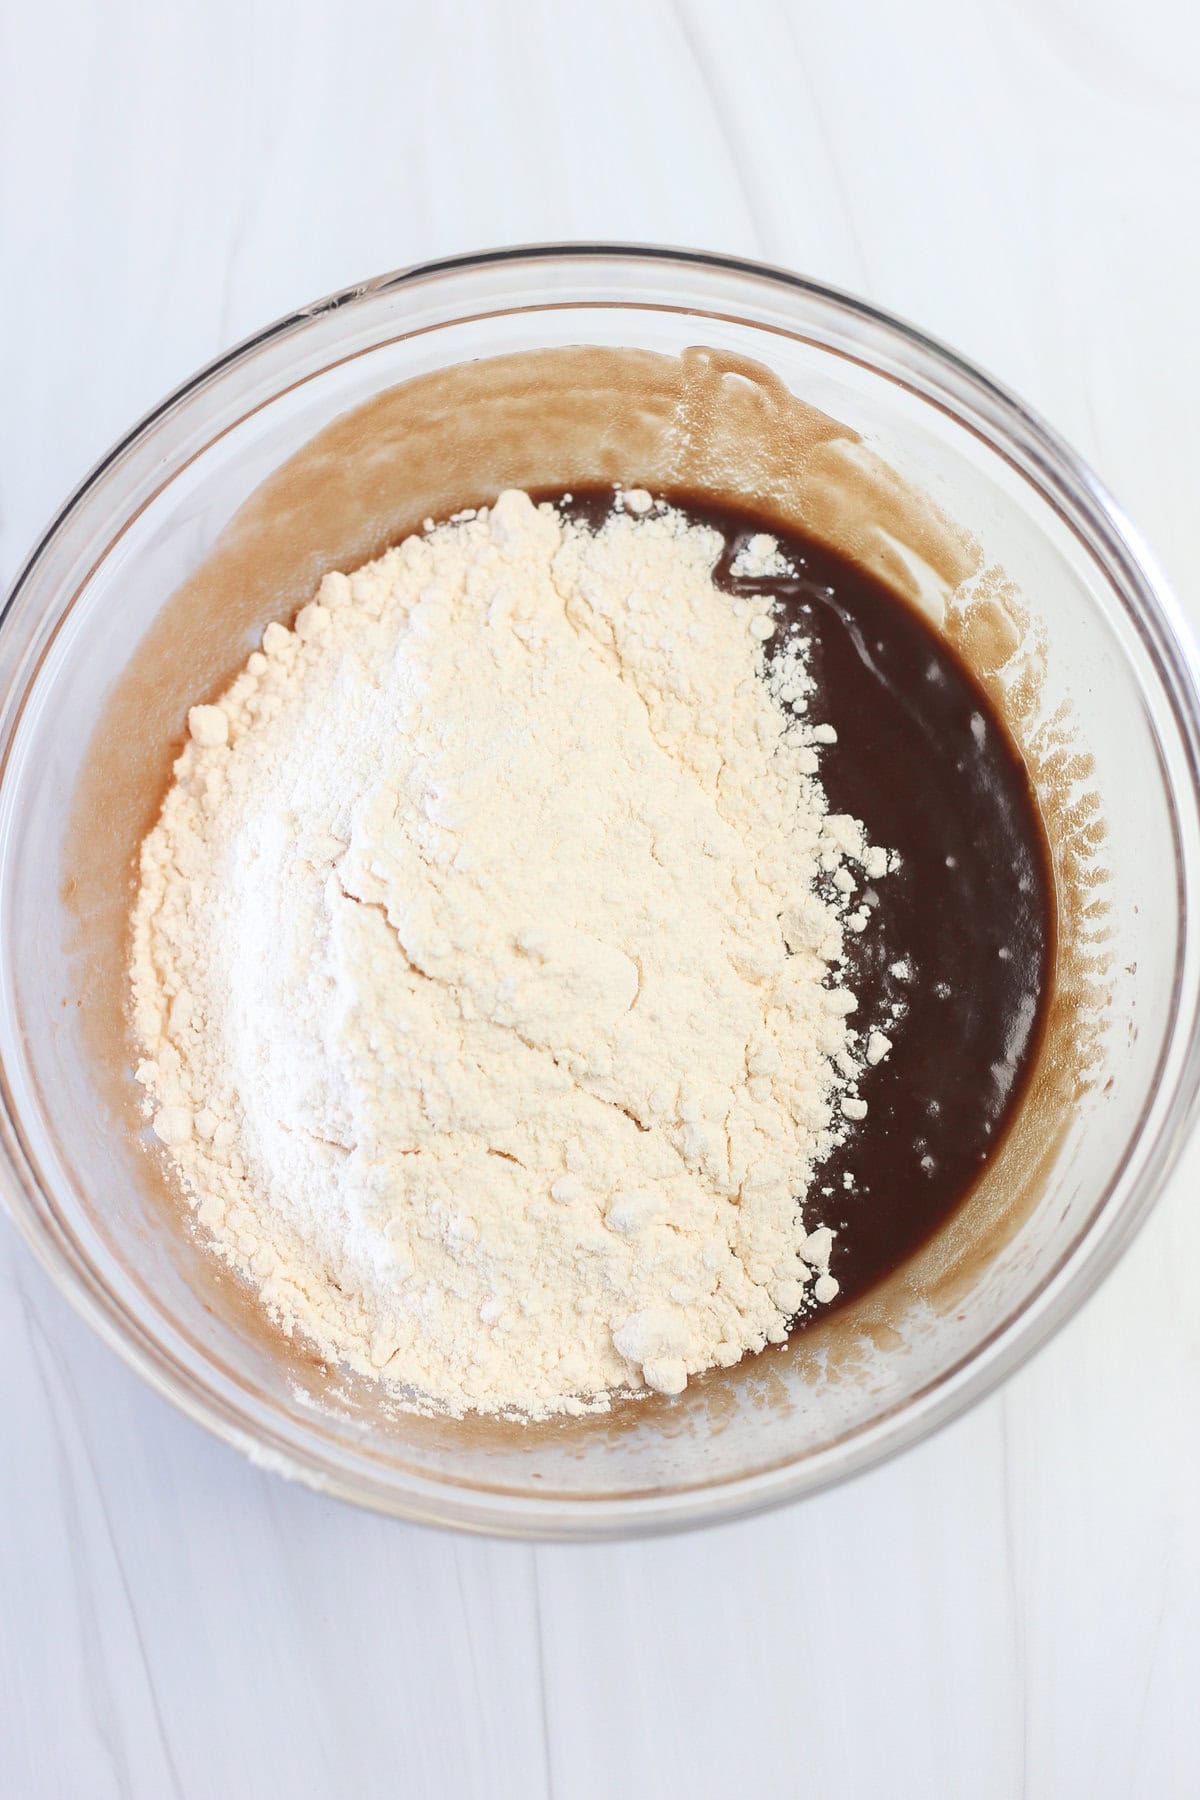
x=74, y=797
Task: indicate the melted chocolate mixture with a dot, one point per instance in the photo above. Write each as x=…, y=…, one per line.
x=956, y=964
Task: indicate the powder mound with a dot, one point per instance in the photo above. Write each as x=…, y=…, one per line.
x=487, y=986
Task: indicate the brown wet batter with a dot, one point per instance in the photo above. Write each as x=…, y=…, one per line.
x=956, y=965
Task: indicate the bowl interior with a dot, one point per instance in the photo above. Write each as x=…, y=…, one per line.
x=335, y=437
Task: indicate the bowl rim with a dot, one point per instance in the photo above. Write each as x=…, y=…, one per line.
x=1063, y=478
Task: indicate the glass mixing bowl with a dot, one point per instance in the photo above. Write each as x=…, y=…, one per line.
x=98, y=662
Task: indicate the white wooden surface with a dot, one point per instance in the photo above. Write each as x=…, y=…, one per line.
x=1011, y=1610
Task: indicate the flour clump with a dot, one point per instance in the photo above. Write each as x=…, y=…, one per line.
x=488, y=966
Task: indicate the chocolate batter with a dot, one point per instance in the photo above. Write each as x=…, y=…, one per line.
x=956, y=965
